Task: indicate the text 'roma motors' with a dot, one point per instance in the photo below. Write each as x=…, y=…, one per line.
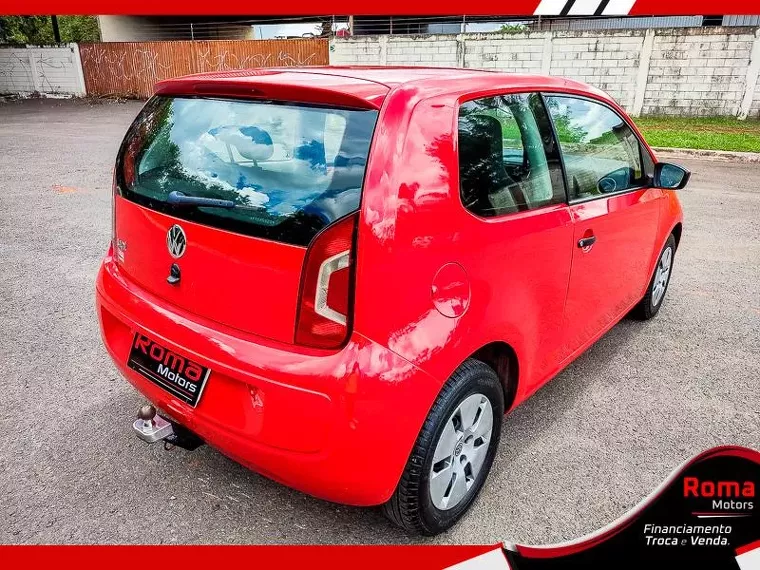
x=725, y=495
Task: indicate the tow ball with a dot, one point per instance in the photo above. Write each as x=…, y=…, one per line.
x=151, y=428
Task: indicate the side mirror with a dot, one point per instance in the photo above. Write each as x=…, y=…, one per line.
x=670, y=176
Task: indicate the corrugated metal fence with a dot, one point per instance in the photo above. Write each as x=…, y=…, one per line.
x=131, y=69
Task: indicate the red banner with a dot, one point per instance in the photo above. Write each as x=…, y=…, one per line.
x=149, y=557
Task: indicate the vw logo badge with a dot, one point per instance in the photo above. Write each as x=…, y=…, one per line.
x=176, y=241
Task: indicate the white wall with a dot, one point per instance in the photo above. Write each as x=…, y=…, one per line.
x=41, y=70
x=608, y=61
x=755, y=107
x=440, y=51
x=676, y=71
x=698, y=73
x=672, y=71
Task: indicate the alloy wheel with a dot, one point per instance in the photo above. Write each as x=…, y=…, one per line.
x=461, y=451
x=661, y=276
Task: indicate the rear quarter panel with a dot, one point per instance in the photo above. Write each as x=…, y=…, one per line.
x=412, y=223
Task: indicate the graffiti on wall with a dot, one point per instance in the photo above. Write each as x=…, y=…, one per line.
x=41, y=70
x=132, y=69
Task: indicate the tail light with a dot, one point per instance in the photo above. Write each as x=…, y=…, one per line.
x=125, y=165
x=325, y=300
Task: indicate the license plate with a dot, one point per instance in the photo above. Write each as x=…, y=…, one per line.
x=173, y=372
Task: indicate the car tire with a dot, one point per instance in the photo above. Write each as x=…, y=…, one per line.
x=420, y=503
x=650, y=305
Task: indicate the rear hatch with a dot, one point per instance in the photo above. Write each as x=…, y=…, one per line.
x=233, y=192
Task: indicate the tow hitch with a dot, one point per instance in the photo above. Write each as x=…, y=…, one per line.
x=151, y=427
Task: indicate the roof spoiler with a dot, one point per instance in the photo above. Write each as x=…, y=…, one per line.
x=298, y=87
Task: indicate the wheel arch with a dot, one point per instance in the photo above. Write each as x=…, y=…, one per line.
x=677, y=231
x=502, y=358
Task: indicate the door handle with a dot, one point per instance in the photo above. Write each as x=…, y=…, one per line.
x=586, y=242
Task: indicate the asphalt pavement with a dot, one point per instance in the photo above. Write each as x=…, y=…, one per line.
x=581, y=452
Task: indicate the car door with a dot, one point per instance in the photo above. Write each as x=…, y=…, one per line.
x=615, y=213
x=511, y=180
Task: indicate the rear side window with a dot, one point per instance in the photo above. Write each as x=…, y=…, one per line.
x=283, y=171
x=601, y=152
x=508, y=161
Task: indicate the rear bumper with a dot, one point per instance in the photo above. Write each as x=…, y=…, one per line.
x=339, y=426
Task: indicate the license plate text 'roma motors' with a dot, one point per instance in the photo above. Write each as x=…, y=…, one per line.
x=171, y=371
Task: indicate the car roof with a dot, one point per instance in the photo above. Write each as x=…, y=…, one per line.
x=362, y=85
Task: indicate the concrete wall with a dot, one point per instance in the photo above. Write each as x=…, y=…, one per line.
x=699, y=73
x=755, y=105
x=121, y=28
x=438, y=51
x=162, y=28
x=610, y=61
x=41, y=70
x=678, y=71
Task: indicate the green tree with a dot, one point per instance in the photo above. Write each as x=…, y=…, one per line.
x=568, y=131
x=26, y=30
x=39, y=29
x=79, y=28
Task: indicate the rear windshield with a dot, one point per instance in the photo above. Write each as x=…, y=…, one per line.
x=284, y=170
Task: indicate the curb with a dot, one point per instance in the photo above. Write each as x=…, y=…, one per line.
x=686, y=153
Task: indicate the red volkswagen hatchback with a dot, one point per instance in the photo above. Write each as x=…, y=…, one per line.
x=344, y=277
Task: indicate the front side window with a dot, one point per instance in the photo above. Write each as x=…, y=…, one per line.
x=283, y=171
x=507, y=158
x=602, y=154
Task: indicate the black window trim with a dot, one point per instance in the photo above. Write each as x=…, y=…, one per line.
x=642, y=146
x=501, y=94
x=555, y=138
